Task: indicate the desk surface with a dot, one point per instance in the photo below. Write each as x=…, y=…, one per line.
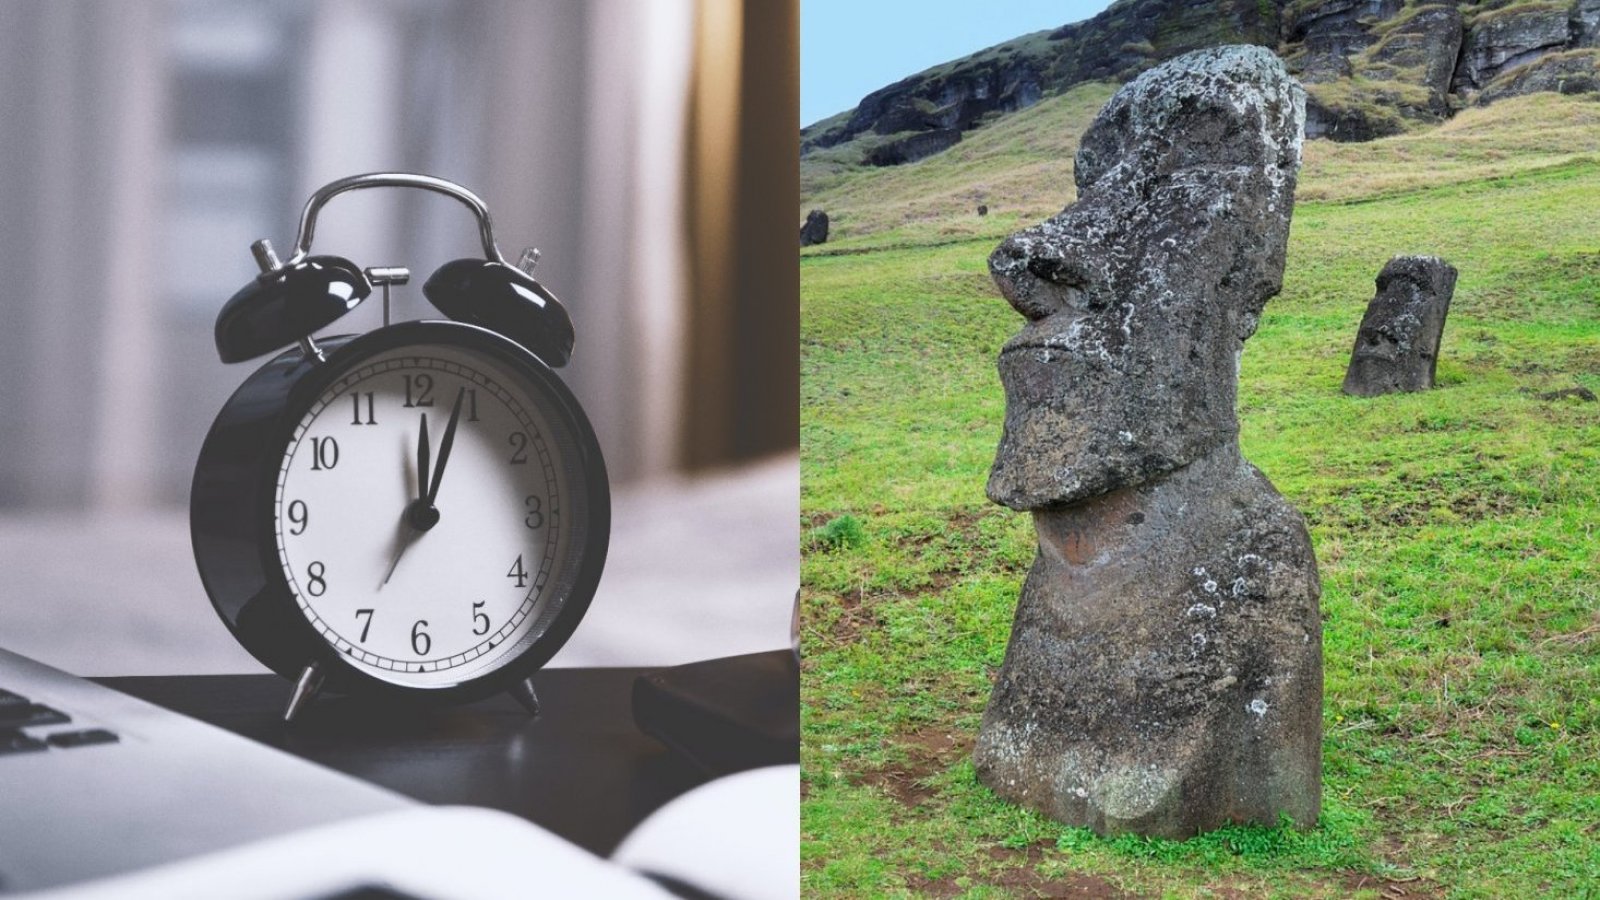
x=581, y=769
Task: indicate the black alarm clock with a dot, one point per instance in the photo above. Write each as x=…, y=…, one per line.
x=420, y=511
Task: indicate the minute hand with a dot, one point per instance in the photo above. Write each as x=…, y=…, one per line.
x=422, y=459
x=445, y=444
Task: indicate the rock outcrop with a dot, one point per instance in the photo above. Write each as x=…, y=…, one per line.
x=913, y=147
x=1164, y=670
x=1421, y=49
x=937, y=101
x=1373, y=67
x=1336, y=27
x=1584, y=23
x=1117, y=44
x=1572, y=72
x=1505, y=38
x=1397, y=346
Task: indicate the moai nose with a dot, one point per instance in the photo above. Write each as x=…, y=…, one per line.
x=1036, y=278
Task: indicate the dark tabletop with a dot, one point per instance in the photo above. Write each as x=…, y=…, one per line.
x=581, y=769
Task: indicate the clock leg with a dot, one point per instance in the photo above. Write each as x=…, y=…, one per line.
x=523, y=693
x=306, y=688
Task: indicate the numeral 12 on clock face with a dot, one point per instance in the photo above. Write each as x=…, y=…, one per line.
x=418, y=512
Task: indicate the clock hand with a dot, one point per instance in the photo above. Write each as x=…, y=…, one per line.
x=406, y=536
x=422, y=459
x=419, y=515
x=444, y=446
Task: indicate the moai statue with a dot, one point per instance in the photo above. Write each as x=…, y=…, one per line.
x=1397, y=347
x=815, y=230
x=1164, y=674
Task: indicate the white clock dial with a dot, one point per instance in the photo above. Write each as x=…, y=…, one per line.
x=412, y=598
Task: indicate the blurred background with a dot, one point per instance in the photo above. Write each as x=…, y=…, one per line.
x=646, y=147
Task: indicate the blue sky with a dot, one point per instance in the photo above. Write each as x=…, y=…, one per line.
x=850, y=48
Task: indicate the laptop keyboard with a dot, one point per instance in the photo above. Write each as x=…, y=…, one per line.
x=18, y=712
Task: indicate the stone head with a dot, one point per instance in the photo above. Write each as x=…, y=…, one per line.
x=1139, y=296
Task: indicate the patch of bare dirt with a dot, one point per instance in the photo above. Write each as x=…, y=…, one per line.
x=963, y=525
x=1020, y=877
x=1469, y=503
x=1391, y=889
x=927, y=753
x=853, y=619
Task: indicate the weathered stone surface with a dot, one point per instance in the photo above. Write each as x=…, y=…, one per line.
x=951, y=99
x=1402, y=76
x=1164, y=669
x=1507, y=38
x=1420, y=49
x=1397, y=347
x=1118, y=43
x=815, y=230
x=1096, y=396
x=1351, y=124
x=913, y=147
x=1342, y=27
x=1317, y=66
x=1573, y=72
x=1389, y=63
x=1584, y=23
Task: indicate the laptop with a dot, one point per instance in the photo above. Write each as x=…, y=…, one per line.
x=105, y=795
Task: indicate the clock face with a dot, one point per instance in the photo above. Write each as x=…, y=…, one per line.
x=429, y=578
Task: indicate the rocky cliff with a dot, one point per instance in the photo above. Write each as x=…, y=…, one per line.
x=1371, y=67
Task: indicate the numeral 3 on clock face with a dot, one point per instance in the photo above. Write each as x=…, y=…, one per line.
x=419, y=515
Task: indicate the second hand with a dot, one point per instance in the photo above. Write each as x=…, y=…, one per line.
x=408, y=528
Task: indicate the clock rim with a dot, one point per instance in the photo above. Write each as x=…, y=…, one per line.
x=255, y=496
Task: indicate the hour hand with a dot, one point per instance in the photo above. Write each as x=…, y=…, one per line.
x=420, y=514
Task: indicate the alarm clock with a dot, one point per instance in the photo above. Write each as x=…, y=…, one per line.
x=421, y=511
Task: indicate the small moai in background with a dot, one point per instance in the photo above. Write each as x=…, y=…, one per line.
x=1164, y=673
x=1397, y=346
x=815, y=230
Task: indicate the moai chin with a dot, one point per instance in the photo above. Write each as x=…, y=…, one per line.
x=1164, y=674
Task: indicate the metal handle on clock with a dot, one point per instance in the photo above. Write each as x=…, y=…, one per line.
x=308, y=216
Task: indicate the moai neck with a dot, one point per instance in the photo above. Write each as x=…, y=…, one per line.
x=1136, y=521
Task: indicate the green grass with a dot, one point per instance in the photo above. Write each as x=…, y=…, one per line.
x=1455, y=531
x=1539, y=131
x=1536, y=8
x=1020, y=166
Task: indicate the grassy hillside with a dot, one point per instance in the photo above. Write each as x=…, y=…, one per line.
x=1021, y=166
x=1456, y=530
x=1016, y=166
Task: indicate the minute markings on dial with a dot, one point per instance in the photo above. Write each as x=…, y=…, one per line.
x=331, y=611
